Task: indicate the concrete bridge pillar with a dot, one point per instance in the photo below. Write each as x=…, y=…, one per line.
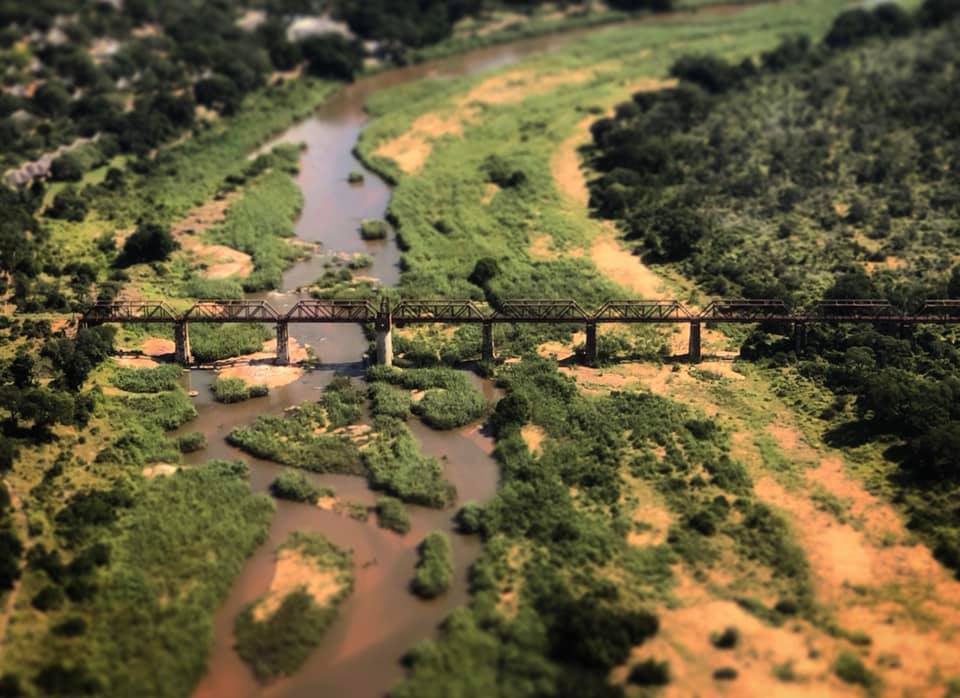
x=181, y=337
x=487, y=352
x=694, y=353
x=799, y=336
x=385, y=340
x=591, y=347
x=283, y=344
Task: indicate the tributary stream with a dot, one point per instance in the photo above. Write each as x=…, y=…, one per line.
x=381, y=620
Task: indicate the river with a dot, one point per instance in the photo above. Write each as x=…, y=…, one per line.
x=381, y=620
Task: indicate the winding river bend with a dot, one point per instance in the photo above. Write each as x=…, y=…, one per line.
x=381, y=620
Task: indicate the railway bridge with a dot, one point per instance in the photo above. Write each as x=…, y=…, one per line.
x=386, y=315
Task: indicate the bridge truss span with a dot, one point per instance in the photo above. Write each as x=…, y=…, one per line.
x=545, y=311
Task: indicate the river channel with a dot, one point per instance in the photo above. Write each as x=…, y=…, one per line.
x=381, y=620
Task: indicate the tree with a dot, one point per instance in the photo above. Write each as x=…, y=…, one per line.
x=66, y=168
x=218, y=92
x=953, y=286
x=68, y=205
x=483, y=271
x=150, y=242
x=333, y=56
x=51, y=99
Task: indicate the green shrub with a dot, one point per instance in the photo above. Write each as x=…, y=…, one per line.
x=726, y=640
x=211, y=343
x=192, y=442
x=231, y=390
x=727, y=673
x=392, y=514
x=470, y=518
x=650, y=672
x=295, y=486
x=147, y=380
x=279, y=644
x=389, y=400
x=441, y=408
x=150, y=242
x=434, y=568
x=374, y=229
x=849, y=667
x=355, y=177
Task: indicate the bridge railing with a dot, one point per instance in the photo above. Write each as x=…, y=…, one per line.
x=423, y=311
x=232, y=311
x=642, y=311
x=335, y=311
x=517, y=311
x=129, y=311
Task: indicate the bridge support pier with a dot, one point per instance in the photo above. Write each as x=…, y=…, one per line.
x=799, y=336
x=591, y=345
x=283, y=344
x=487, y=350
x=181, y=338
x=384, y=337
x=694, y=353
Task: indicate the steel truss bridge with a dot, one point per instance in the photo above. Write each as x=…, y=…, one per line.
x=531, y=311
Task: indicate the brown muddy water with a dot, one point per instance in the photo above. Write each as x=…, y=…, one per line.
x=381, y=620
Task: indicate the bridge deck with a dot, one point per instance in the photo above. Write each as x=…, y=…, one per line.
x=520, y=311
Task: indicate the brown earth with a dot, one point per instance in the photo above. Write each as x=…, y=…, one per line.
x=154, y=346
x=259, y=369
x=294, y=571
x=533, y=435
x=220, y=261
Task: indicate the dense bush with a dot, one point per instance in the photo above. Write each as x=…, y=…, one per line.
x=211, y=343
x=392, y=514
x=434, y=571
x=450, y=399
x=389, y=401
x=192, y=442
x=373, y=229
x=396, y=466
x=231, y=390
x=150, y=242
x=294, y=485
x=147, y=380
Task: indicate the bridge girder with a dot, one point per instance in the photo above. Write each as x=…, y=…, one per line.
x=642, y=311
x=332, y=311
x=129, y=311
x=232, y=311
x=440, y=311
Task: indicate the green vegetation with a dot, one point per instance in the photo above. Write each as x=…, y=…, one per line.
x=449, y=400
x=849, y=667
x=307, y=436
x=148, y=243
x=650, y=672
x=396, y=466
x=278, y=644
x=434, y=566
x=392, y=514
x=192, y=442
x=211, y=343
x=230, y=390
x=292, y=440
x=261, y=219
x=295, y=486
x=374, y=229
x=389, y=401
x=147, y=380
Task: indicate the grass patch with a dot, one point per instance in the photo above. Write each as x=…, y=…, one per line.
x=374, y=229
x=278, y=644
x=389, y=401
x=434, y=566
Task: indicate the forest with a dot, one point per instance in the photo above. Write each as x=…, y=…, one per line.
x=853, y=195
